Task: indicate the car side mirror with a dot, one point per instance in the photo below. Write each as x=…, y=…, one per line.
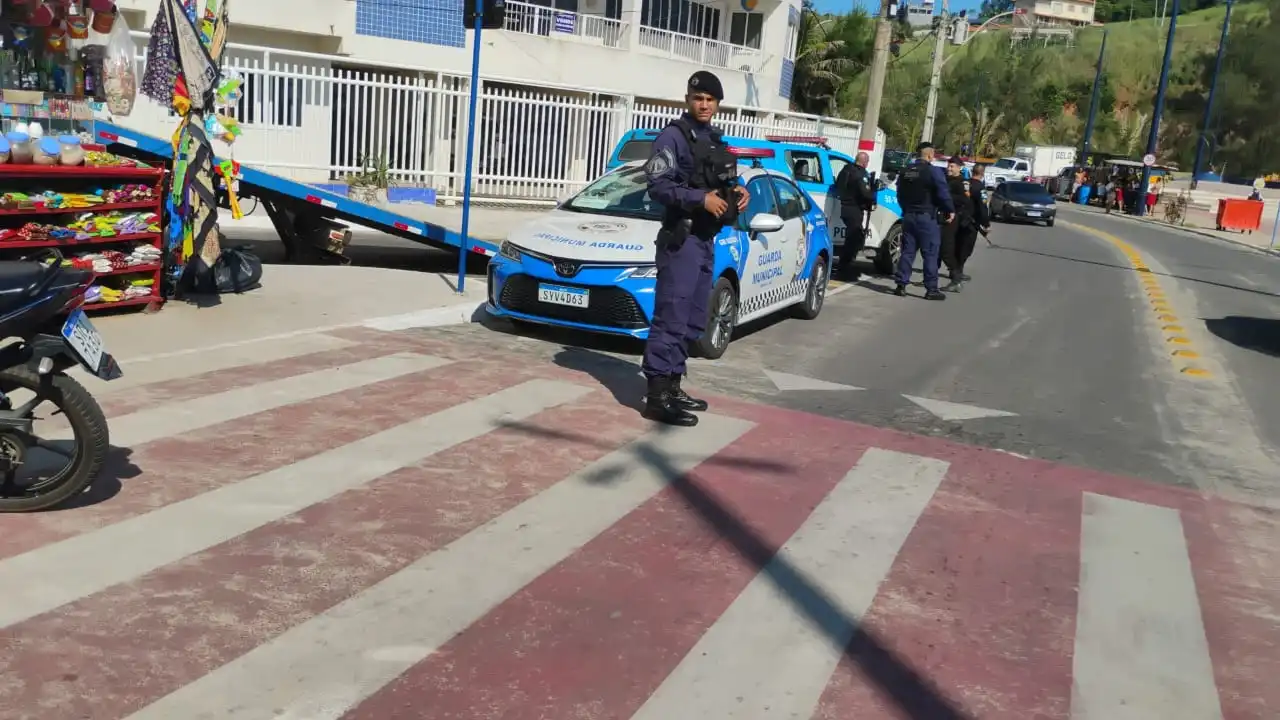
x=765, y=223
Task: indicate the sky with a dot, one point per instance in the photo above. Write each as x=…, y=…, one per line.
x=843, y=6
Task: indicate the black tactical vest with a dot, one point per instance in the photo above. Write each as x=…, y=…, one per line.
x=715, y=169
x=915, y=187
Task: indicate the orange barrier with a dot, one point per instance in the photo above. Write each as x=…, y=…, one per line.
x=1244, y=215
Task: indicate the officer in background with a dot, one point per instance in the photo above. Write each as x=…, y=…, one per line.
x=958, y=188
x=857, y=201
x=979, y=221
x=692, y=174
x=922, y=193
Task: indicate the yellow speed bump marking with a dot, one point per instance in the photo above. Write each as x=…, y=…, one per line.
x=1159, y=303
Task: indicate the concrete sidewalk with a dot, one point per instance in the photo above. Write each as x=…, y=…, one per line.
x=294, y=300
x=488, y=223
x=1200, y=223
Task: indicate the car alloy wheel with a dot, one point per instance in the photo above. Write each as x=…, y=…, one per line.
x=726, y=309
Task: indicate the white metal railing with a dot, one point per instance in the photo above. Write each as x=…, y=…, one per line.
x=713, y=53
x=307, y=119
x=529, y=19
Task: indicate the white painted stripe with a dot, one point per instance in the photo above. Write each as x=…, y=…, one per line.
x=434, y=317
x=214, y=359
x=177, y=418
x=53, y=575
x=764, y=657
x=324, y=667
x=1140, y=649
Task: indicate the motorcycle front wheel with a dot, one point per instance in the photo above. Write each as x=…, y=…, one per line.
x=84, y=453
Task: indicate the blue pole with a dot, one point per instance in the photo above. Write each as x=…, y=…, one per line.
x=1274, y=228
x=1152, y=139
x=1213, y=86
x=471, y=146
x=1093, y=102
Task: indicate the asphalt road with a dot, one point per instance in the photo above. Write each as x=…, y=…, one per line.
x=1055, y=337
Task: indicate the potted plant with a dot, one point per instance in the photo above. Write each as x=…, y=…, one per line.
x=370, y=185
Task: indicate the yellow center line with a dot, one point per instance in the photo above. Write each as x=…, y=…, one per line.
x=1163, y=313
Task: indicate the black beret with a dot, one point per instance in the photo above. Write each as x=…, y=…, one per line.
x=703, y=81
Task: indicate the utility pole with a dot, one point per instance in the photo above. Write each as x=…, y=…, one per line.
x=935, y=78
x=1093, y=102
x=879, y=65
x=1154, y=137
x=1208, y=106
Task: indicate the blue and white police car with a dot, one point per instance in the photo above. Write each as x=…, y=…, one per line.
x=589, y=264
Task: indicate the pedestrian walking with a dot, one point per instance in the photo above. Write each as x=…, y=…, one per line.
x=857, y=202
x=922, y=193
x=694, y=176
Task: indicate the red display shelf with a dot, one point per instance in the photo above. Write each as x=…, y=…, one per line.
x=84, y=171
x=148, y=268
x=146, y=300
x=103, y=240
x=105, y=207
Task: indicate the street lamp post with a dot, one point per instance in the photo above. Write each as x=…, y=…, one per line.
x=1154, y=137
x=1208, y=106
x=1093, y=102
x=939, y=62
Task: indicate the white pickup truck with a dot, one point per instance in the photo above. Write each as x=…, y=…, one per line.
x=1030, y=162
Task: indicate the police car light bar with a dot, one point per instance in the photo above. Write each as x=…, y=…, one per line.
x=798, y=139
x=752, y=152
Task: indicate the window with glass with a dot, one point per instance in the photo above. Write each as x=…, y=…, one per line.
x=762, y=200
x=686, y=17
x=837, y=166
x=791, y=202
x=624, y=193
x=805, y=166
x=746, y=28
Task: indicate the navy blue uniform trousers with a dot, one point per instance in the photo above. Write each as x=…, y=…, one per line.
x=679, y=303
x=920, y=231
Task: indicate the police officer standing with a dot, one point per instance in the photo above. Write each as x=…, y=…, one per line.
x=979, y=220
x=958, y=187
x=922, y=193
x=692, y=174
x=857, y=201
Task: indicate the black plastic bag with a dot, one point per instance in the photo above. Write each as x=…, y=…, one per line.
x=237, y=270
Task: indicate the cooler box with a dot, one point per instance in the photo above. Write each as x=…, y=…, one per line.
x=1085, y=191
x=1243, y=215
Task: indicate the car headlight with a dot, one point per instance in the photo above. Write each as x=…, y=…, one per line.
x=639, y=273
x=509, y=251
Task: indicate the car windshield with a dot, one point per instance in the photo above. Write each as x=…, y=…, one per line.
x=1030, y=192
x=1005, y=163
x=624, y=193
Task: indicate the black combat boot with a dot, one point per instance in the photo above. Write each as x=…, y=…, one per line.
x=934, y=295
x=683, y=400
x=660, y=406
x=900, y=291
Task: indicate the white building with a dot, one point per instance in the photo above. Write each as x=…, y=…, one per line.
x=329, y=81
x=1057, y=13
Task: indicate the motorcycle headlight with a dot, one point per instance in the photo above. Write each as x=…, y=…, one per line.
x=509, y=251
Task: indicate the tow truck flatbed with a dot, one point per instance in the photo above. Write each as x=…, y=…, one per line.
x=294, y=206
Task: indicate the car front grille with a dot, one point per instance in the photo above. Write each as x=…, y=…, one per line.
x=606, y=307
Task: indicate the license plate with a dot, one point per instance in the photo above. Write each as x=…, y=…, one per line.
x=84, y=339
x=560, y=295
x=1033, y=213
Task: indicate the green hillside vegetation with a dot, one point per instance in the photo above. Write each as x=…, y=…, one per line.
x=1003, y=95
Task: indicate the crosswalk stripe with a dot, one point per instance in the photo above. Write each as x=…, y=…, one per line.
x=1140, y=648
x=43, y=579
x=770, y=654
x=324, y=667
x=176, y=418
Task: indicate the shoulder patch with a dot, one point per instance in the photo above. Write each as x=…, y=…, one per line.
x=661, y=162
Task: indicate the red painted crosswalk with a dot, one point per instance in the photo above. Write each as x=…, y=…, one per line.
x=405, y=527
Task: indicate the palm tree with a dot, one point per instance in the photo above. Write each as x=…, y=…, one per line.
x=823, y=65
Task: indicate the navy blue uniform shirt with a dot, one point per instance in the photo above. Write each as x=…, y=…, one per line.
x=933, y=194
x=670, y=167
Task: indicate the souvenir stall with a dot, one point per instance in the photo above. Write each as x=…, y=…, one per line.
x=58, y=191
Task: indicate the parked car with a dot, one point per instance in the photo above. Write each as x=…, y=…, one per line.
x=1023, y=201
x=814, y=167
x=589, y=264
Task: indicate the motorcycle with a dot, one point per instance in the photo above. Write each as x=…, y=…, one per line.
x=40, y=305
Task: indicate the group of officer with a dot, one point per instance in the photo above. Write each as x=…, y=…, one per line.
x=942, y=216
x=691, y=173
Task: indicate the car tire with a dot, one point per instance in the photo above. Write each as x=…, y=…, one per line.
x=1049, y=222
x=722, y=316
x=889, y=252
x=1005, y=215
x=811, y=306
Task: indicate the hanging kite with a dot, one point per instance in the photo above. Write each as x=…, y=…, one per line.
x=184, y=60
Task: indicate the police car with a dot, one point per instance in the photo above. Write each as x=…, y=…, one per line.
x=814, y=166
x=589, y=264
